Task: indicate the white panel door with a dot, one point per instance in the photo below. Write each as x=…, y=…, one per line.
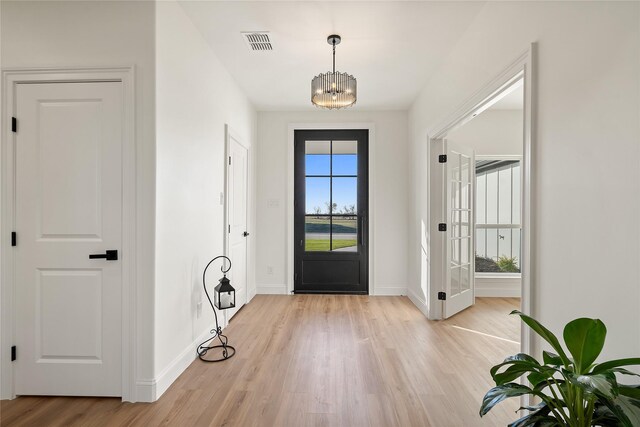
x=68, y=206
x=237, y=192
x=459, y=201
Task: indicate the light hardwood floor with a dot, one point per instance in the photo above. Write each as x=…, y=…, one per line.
x=322, y=360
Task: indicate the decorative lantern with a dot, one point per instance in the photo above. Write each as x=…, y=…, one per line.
x=224, y=295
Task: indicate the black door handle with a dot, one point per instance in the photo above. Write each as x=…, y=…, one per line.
x=245, y=234
x=110, y=255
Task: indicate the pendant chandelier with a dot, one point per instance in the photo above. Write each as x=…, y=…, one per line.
x=333, y=89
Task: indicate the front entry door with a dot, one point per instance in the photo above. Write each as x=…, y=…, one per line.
x=237, y=192
x=331, y=211
x=68, y=206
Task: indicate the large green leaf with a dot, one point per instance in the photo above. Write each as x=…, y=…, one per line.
x=627, y=410
x=630, y=391
x=546, y=334
x=600, y=384
x=605, y=366
x=517, y=366
x=539, y=416
x=551, y=358
x=584, y=338
x=500, y=393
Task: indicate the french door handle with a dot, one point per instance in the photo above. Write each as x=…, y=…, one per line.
x=245, y=234
x=110, y=255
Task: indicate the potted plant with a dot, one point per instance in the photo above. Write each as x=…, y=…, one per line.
x=572, y=391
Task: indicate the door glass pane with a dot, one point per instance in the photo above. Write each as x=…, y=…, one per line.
x=317, y=158
x=317, y=225
x=345, y=234
x=345, y=195
x=465, y=247
x=455, y=280
x=317, y=238
x=455, y=252
x=317, y=196
x=465, y=279
x=345, y=158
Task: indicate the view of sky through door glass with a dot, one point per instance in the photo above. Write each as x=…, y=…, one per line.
x=331, y=189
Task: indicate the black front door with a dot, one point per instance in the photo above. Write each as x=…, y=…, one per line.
x=331, y=206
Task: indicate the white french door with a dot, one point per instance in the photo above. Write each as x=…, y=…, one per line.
x=459, y=202
x=237, y=209
x=68, y=206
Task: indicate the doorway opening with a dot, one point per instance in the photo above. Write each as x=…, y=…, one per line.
x=480, y=211
x=331, y=211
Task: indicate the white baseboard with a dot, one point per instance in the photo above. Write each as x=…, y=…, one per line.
x=498, y=287
x=151, y=390
x=250, y=294
x=418, y=302
x=390, y=290
x=145, y=391
x=271, y=289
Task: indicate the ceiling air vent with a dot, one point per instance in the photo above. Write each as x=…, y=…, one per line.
x=258, y=41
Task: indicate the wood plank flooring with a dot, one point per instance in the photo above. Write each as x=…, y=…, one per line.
x=321, y=360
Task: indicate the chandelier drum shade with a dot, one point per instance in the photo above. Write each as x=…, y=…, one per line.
x=333, y=89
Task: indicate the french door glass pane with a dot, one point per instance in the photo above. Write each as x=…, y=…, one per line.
x=345, y=234
x=318, y=195
x=345, y=158
x=317, y=236
x=317, y=158
x=345, y=195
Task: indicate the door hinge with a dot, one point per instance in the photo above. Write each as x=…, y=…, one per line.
x=442, y=158
x=14, y=238
x=442, y=227
x=442, y=296
x=229, y=228
x=14, y=124
x=300, y=242
x=229, y=160
x=295, y=276
x=14, y=352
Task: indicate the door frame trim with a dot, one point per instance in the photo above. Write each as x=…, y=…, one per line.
x=522, y=67
x=229, y=133
x=126, y=76
x=289, y=191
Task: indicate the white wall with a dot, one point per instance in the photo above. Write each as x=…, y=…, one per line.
x=388, y=178
x=101, y=34
x=492, y=132
x=195, y=98
x=587, y=175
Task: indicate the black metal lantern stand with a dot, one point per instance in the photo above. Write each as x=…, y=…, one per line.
x=224, y=297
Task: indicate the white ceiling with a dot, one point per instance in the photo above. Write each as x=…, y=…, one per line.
x=391, y=47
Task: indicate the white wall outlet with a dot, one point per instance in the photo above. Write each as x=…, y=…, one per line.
x=269, y=269
x=198, y=310
x=222, y=198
